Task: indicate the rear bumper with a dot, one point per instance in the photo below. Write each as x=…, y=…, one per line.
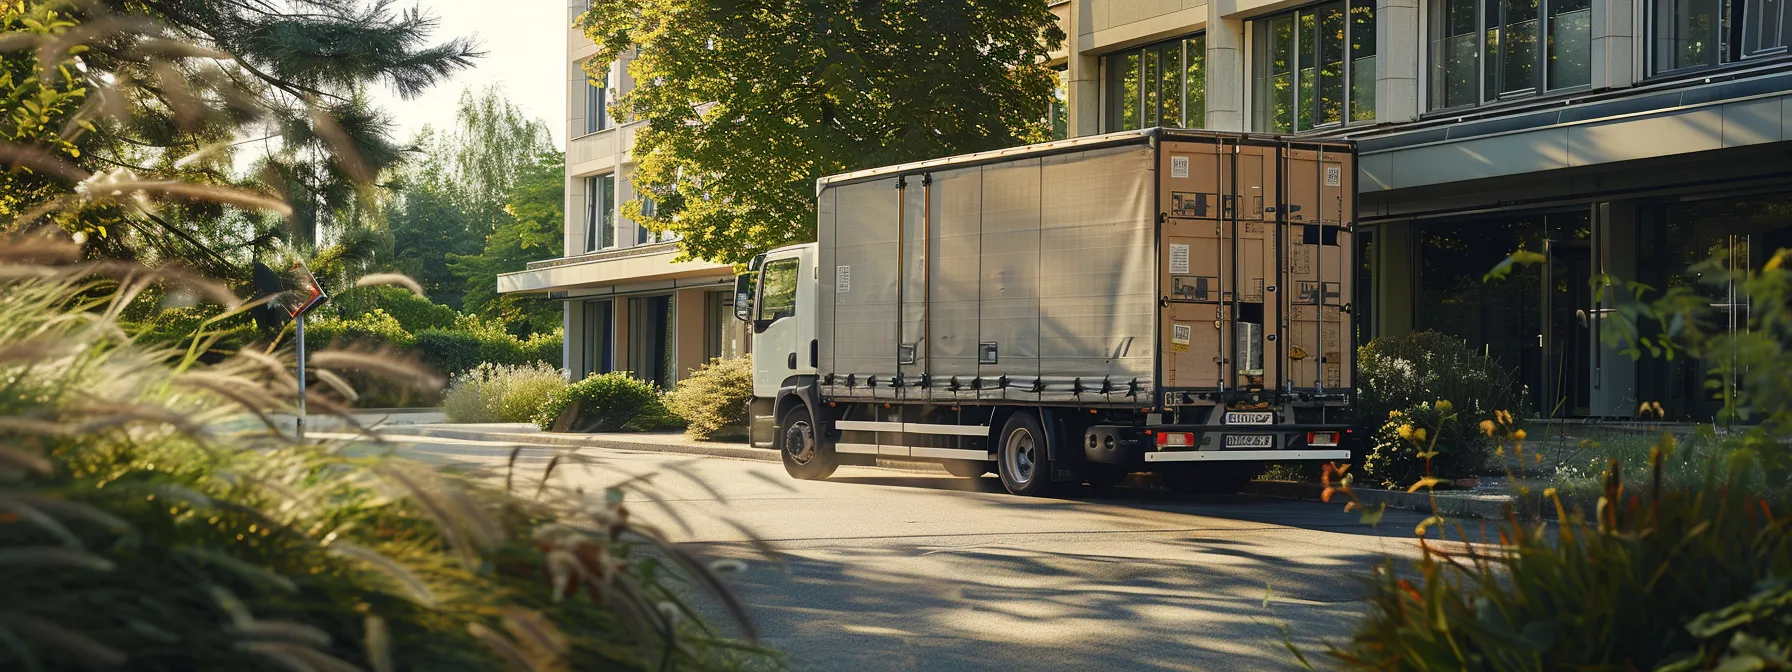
x=1133, y=446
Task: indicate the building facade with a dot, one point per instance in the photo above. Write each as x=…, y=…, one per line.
x=1623, y=138
x=628, y=305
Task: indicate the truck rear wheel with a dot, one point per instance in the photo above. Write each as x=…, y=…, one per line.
x=1210, y=478
x=966, y=468
x=805, y=457
x=1020, y=457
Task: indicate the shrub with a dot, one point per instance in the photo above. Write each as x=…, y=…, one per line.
x=413, y=313
x=501, y=393
x=469, y=343
x=606, y=402
x=173, y=546
x=713, y=397
x=1398, y=373
x=375, y=326
x=1661, y=578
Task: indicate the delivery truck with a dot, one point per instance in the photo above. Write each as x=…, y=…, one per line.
x=1067, y=313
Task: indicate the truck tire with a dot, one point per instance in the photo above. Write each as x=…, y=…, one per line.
x=967, y=468
x=805, y=457
x=1020, y=456
x=1212, y=478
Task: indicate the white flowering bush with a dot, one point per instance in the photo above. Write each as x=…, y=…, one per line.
x=501, y=392
x=1407, y=375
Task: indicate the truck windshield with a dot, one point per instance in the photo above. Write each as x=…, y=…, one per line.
x=777, y=298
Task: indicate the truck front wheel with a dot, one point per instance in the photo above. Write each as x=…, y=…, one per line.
x=1021, y=458
x=805, y=457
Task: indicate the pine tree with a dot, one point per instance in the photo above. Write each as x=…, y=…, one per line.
x=173, y=88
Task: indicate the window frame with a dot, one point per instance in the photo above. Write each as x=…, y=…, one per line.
x=1111, y=69
x=1260, y=32
x=1487, y=70
x=1732, y=49
x=764, y=289
x=597, y=104
x=600, y=213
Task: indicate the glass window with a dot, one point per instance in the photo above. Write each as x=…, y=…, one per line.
x=600, y=212
x=1060, y=108
x=1485, y=50
x=1315, y=67
x=1704, y=33
x=777, y=293
x=597, y=104
x=1158, y=85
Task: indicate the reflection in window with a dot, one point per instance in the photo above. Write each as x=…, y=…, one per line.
x=777, y=294
x=1315, y=67
x=1162, y=84
x=1484, y=50
x=1060, y=107
x=597, y=103
x=1704, y=33
x=600, y=212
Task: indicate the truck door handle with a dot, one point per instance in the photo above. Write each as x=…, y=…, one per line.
x=791, y=361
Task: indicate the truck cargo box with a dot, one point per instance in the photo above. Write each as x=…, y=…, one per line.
x=1149, y=268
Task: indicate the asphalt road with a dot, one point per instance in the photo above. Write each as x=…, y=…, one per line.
x=894, y=570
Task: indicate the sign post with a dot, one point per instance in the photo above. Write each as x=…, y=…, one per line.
x=309, y=295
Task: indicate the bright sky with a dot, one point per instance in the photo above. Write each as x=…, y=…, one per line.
x=525, y=45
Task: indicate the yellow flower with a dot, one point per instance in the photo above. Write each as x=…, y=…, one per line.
x=1405, y=431
x=1774, y=263
x=1487, y=427
x=1444, y=406
x=1419, y=434
x=1393, y=414
x=1518, y=435
x=1499, y=451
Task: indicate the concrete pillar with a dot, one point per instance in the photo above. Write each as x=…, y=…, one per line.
x=1225, y=71
x=1614, y=56
x=1083, y=73
x=1399, y=37
x=1396, y=278
x=689, y=324
x=572, y=350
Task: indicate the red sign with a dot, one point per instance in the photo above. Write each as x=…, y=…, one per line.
x=308, y=293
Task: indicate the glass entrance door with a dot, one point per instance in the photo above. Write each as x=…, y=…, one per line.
x=1568, y=314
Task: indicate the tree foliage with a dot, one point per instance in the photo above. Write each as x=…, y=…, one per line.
x=535, y=212
x=465, y=189
x=170, y=91
x=745, y=104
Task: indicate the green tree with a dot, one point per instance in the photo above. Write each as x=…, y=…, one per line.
x=154, y=92
x=461, y=190
x=536, y=208
x=747, y=103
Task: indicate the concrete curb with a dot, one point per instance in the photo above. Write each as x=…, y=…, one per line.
x=1460, y=505
x=646, y=443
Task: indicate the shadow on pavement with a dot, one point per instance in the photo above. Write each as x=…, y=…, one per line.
x=1017, y=608
x=1309, y=515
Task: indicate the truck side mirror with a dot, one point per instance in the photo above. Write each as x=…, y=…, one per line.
x=743, y=296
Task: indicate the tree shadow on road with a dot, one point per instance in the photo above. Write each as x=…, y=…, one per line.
x=1246, y=508
x=1013, y=607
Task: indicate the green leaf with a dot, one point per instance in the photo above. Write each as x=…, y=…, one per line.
x=1506, y=266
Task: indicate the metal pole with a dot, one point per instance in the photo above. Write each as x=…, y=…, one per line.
x=301, y=346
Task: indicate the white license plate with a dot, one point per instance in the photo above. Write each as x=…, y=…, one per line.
x=1256, y=418
x=1250, y=441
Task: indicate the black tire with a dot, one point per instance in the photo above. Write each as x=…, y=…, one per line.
x=1021, y=458
x=1211, y=478
x=1103, y=477
x=967, y=468
x=805, y=457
